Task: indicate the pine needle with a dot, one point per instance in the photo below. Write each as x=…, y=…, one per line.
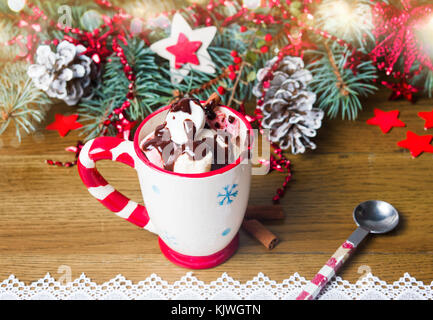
x=21, y=103
x=339, y=90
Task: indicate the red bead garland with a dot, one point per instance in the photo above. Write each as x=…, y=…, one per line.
x=76, y=149
x=280, y=163
x=277, y=161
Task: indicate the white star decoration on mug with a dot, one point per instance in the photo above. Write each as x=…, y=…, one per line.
x=186, y=49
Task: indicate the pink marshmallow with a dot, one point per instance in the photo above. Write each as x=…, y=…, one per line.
x=153, y=155
x=221, y=122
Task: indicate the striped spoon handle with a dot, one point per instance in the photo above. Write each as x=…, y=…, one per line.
x=313, y=288
x=114, y=149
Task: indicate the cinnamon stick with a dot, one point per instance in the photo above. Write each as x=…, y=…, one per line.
x=260, y=232
x=213, y=100
x=269, y=212
x=176, y=96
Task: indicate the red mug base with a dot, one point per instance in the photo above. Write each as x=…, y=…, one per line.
x=200, y=262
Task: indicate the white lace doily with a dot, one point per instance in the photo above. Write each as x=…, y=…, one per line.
x=225, y=287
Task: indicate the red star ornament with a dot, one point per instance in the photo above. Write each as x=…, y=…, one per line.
x=64, y=124
x=428, y=117
x=386, y=120
x=401, y=89
x=184, y=51
x=416, y=144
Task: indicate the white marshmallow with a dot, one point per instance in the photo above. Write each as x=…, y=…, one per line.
x=184, y=164
x=221, y=142
x=175, y=122
x=204, y=134
x=233, y=149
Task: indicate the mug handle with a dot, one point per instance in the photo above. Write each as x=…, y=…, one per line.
x=115, y=149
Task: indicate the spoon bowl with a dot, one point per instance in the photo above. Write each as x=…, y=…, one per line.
x=376, y=216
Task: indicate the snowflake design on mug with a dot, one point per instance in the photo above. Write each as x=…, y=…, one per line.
x=228, y=195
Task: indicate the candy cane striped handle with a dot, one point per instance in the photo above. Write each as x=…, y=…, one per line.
x=115, y=149
x=312, y=289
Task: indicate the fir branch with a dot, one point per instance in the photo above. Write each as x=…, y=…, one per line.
x=422, y=80
x=339, y=89
x=21, y=103
x=205, y=86
x=428, y=84
x=241, y=69
x=220, y=52
x=340, y=83
x=235, y=85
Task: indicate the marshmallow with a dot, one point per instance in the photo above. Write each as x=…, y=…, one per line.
x=204, y=134
x=175, y=122
x=153, y=154
x=193, y=149
x=154, y=157
x=185, y=164
x=229, y=123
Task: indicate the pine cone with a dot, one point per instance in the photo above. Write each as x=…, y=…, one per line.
x=288, y=105
x=64, y=75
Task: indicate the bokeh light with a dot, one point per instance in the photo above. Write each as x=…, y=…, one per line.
x=16, y=5
x=424, y=32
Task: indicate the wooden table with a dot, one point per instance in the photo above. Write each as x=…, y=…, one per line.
x=48, y=219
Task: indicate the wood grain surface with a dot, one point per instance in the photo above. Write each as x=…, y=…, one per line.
x=48, y=219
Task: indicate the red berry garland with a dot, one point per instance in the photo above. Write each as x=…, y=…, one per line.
x=237, y=60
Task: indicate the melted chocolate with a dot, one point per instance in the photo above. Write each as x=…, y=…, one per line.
x=170, y=158
x=183, y=105
x=223, y=156
x=161, y=139
x=195, y=149
x=198, y=149
x=190, y=129
x=192, y=144
x=163, y=144
x=209, y=112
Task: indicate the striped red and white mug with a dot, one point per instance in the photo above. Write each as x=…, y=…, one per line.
x=196, y=216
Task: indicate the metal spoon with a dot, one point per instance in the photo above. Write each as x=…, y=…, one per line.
x=373, y=216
